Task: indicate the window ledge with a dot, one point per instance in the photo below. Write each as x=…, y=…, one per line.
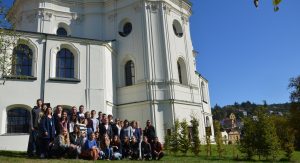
x=17, y=77
x=65, y=80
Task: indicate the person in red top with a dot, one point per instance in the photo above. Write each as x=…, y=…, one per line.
x=157, y=149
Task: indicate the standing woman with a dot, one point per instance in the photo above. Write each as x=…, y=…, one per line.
x=47, y=132
x=89, y=121
x=136, y=131
x=126, y=131
x=73, y=123
x=64, y=122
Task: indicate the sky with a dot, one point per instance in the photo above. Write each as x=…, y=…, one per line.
x=247, y=54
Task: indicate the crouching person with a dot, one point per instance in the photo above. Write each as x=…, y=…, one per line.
x=106, y=147
x=157, y=149
x=62, y=146
x=146, y=149
x=116, y=148
x=90, y=150
x=135, y=148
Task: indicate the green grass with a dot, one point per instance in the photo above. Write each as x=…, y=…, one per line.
x=9, y=156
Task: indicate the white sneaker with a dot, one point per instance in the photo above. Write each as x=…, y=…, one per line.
x=42, y=156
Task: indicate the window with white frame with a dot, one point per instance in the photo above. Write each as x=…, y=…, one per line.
x=65, y=64
x=22, y=61
x=18, y=120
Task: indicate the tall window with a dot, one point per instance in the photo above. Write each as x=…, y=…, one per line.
x=129, y=73
x=22, y=61
x=203, y=91
x=61, y=32
x=18, y=120
x=182, y=72
x=179, y=72
x=65, y=64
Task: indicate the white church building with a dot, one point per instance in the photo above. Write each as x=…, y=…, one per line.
x=130, y=58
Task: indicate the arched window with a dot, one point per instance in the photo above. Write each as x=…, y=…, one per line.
x=61, y=32
x=18, y=120
x=65, y=64
x=22, y=60
x=207, y=122
x=129, y=73
x=182, y=73
x=203, y=91
x=179, y=72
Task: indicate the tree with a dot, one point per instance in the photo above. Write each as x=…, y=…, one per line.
x=285, y=134
x=275, y=4
x=259, y=136
x=219, y=139
x=294, y=85
x=184, y=142
x=208, y=145
x=249, y=138
x=174, y=138
x=9, y=38
x=195, y=147
x=294, y=120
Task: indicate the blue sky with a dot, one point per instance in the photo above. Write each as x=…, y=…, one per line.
x=244, y=52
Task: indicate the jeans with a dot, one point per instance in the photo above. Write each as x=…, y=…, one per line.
x=33, y=143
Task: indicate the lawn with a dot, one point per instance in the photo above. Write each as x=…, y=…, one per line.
x=9, y=156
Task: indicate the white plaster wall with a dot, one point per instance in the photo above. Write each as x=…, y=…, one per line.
x=14, y=143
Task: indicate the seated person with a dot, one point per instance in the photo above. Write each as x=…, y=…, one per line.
x=116, y=148
x=146, y=149
x=62, y=145
x=134, y=148
x=105, y=146
x=126, y=147
x=157, y=152
x=78, y=139
x=90, y=149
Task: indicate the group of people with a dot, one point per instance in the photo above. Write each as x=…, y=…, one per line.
x=88, y=135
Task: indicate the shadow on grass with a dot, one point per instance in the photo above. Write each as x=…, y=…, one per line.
x=13, y=154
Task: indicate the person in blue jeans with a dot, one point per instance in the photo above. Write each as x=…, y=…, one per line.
x=116, y=148
x=33, y=143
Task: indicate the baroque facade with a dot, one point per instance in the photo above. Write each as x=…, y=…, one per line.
x=130, y=58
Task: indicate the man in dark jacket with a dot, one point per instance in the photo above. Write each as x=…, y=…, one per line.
x=105, y=128
x=149, y=131
x=33, y=144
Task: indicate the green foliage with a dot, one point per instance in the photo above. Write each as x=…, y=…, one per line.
x=174, y=138
x=248, y=143
x=294, y=85
x=184, y=142
x=275, y=4
x=195, y=146
x=294, y=120
x=219, y=139
x=285, y=134
x=260, y=137
x=208, y=146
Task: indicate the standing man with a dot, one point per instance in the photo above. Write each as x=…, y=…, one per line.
x=80, y=114
x=95, y=121
x=105, y=128
x=33, y=144
x=149, y=131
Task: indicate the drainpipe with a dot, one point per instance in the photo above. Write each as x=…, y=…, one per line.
x=43, y=73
